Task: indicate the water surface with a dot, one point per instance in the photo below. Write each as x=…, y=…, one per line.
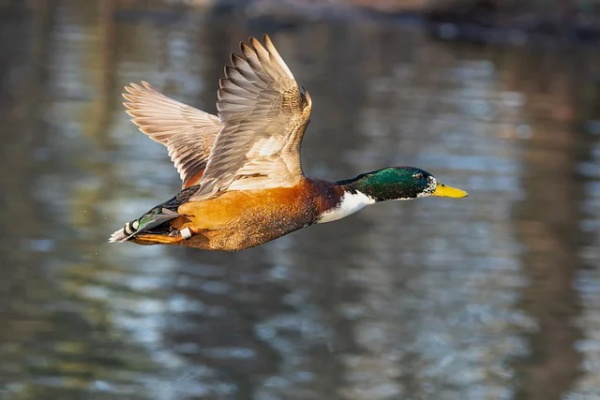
x=496, y=296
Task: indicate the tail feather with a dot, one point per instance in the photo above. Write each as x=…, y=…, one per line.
x=154, y=218
x=118, y=236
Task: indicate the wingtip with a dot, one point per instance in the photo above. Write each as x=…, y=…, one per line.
x=254, y=41
x=267, y=39
x=248, y=49
x=136, y=87
x=118, y=236
x=133, y=88
x=130, y=90
x=259, y=47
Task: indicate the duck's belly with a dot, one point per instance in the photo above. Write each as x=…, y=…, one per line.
x=242, y=219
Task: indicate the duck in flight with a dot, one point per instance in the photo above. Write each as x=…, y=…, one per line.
x=243, y=183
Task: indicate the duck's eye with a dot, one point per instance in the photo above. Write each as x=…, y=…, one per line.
x=418, y=176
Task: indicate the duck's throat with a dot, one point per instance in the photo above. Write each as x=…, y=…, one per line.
x=350, y=202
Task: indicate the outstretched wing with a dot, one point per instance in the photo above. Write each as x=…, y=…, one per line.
x=188, y=133
x=264, y=114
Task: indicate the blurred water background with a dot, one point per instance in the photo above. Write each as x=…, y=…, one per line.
x=496, y=296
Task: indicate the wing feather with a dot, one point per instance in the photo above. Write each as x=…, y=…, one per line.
x=264, y=115
x=188, y=133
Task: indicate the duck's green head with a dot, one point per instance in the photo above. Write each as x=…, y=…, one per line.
x=401, y=183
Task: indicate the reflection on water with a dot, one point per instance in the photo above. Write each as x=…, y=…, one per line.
x=493, y=297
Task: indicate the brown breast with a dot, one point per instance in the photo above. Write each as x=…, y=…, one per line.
x=240, y=219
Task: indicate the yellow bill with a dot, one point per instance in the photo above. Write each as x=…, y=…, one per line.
x=442, y=190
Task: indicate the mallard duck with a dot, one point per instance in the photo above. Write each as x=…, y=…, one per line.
x=243, y=183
